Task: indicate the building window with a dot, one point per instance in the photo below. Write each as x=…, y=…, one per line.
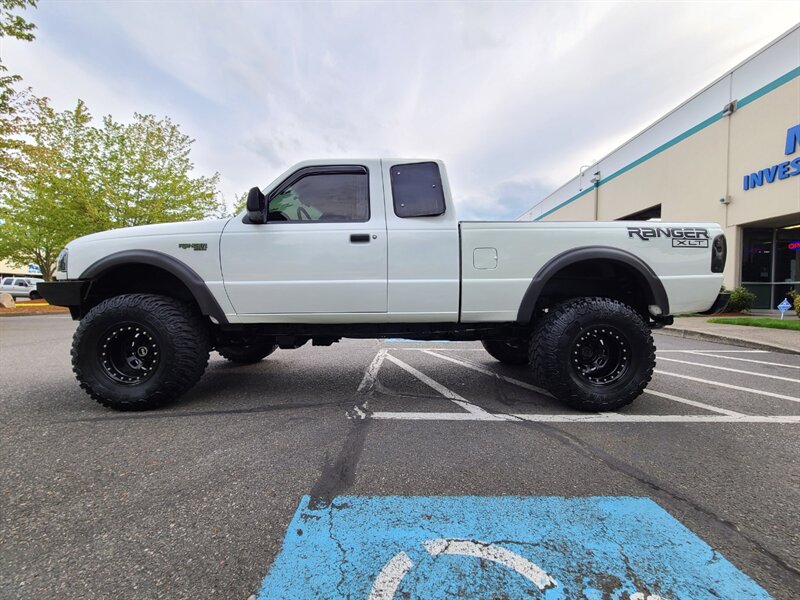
x=652, y=213
x=771, y=263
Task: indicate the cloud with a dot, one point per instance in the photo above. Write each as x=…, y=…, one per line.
x=514, y=96
x=502, y=202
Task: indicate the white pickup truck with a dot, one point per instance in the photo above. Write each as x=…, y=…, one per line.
x=371, y=249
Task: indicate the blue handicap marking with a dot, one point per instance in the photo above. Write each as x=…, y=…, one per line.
x=378, y=548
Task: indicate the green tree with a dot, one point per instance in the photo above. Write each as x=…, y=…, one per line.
x=79, y=179
x=239, y=204
x=50, y=201
x=144, y=175
x=15, y=26
x=11, y=122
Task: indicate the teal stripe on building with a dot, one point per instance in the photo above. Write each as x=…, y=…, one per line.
x=794, y=73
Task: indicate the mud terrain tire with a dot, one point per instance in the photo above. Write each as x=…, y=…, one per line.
x=593, y=354
x=140, y=351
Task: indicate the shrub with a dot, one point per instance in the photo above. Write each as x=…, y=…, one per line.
x=741, y=299
x=794, y=299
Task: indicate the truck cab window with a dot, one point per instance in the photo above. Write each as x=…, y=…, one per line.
x=417, y=190
x=323, y=197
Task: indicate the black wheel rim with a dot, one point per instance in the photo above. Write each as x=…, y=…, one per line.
x=600, y=355
x=129, y=353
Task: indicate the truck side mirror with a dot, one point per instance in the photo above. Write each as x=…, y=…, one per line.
x=256, y=203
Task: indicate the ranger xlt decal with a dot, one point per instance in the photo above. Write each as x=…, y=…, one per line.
x=682, y=237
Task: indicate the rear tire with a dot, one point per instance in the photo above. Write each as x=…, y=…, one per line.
x=509, y=352
x=140, y=351
x=246, y=354
x=593, y=354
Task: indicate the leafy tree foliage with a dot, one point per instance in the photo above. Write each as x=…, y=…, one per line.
x=44, y=205
x=143, y=175
x=78, y=178
x=13, y=26
x=240, y=203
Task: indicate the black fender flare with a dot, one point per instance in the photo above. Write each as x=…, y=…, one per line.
x=196, y=285
x=657, y=293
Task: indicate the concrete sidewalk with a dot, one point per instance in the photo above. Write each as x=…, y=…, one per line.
x=761, y=338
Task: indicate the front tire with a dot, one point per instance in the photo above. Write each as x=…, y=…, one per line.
x=594, y=354
x=140, y=351
x=509, y=352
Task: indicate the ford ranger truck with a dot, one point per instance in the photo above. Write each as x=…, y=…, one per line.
x=373, y=248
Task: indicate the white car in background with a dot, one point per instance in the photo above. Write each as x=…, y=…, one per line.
x=21, y=287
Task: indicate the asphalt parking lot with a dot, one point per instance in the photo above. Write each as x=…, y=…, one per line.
x=207, y=497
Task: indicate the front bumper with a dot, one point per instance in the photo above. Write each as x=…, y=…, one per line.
x=719, y=305
x=70, y=293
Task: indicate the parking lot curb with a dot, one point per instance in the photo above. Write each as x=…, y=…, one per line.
x=47, y=313
x=692, y=334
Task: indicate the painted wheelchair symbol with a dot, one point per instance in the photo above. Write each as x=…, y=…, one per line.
x=392, y=573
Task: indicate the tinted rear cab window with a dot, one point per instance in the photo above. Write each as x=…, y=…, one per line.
x=417, y=190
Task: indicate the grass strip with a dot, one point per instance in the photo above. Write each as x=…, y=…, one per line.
x=758, y=322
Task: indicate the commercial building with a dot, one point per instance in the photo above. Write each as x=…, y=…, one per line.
x=730, y=155
x=8, y=269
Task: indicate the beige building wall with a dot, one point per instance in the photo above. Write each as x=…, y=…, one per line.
x=7, y=268
x=687, y=180
x=690, y=178
x=581, y=209
x=758, y=138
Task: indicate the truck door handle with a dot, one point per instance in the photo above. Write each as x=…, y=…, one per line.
x=359, y=238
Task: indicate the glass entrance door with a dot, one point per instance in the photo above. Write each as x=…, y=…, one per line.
x=771, y=263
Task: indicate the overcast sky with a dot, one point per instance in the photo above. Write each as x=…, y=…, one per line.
x=515, y=97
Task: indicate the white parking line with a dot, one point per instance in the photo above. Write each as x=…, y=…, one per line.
x=528, y=386
x=753, y=373
x=760, y=362
x=489, y=372
x=476, y=413
x=371, y=376
x=442, y=416
x=440, y=349
x=618, y=418
x=446, y=392
x=723, y=411
x=586, y=418
x=730, y=386
x=718, y=351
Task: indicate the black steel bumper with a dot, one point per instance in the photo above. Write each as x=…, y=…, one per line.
x=63, y=293
x=719, y=305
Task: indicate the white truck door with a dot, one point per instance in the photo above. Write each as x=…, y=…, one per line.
x=321, y=253
x=424, y=268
